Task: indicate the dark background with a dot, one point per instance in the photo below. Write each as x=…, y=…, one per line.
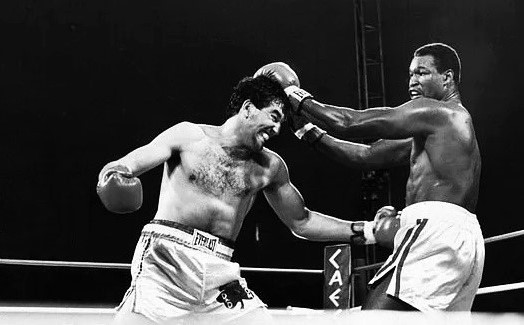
x=84, y=82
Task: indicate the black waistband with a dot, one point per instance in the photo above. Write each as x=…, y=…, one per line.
x=173, y=224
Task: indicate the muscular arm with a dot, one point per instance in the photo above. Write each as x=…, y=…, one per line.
x=414, y=118
x=157, y=151
x=288, y=204
x=379, y=154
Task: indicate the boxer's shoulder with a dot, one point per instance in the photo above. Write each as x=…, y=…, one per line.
x=197, y=130
x=184, y=131
x=179, y=135
x=273, y=158
x=276, y=166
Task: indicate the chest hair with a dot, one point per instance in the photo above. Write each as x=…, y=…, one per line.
x=224, y=171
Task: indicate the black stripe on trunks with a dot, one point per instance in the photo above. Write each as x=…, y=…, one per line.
x=405, y=254
x=386, y=266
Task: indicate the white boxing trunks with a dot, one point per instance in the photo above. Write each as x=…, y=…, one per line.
x=438, y=257
x=178, y=271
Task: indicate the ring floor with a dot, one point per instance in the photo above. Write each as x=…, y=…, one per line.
x=17, y=315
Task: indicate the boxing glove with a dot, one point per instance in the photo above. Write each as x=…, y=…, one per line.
x=386, y=226
x=119, y=191
x=288, y=79
x=280, y=72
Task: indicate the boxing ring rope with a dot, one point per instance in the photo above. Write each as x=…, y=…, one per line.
x=480, y=291
x=89, y=265
x=99, y=265
x=504, y=236
x=486, y=241
x=103, y=265
x=499, y=288
x=126, y=266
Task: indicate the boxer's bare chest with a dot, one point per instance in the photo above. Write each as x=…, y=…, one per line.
x=223, y=171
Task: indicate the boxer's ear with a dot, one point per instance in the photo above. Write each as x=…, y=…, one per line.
x=246, y=109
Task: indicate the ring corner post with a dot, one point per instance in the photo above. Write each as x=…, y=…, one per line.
x=337, y=277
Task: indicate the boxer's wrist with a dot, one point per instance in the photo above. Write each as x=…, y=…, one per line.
x=121, y=169
x=303, y=130
x=297, y=95
x=363, y=233
x=313, y=134
x=369, y=232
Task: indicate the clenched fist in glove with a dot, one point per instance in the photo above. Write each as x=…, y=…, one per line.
x=288, y=79
x=386, y=226
x=381, y=230
x=119, y=191
x=281, y=72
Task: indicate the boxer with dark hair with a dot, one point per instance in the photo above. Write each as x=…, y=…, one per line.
x=438, y=254
x=212, y=174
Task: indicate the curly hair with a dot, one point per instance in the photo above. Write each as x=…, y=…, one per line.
x=262, y=91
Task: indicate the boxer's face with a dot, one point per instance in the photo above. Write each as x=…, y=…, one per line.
x=424, y=79
x=263, y=124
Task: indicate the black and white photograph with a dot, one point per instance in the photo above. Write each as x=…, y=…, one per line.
x=261, y=162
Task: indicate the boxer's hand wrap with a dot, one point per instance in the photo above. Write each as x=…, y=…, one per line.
x=119, y=191
x=297, y=94
x=363, y=233
x=310, y=133
x=232, y=293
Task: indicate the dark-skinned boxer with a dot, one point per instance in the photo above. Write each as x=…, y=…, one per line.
x=438, y=254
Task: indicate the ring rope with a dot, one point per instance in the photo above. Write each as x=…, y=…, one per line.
x=368, y=267
x=486, y=241
x=98, y=265
x=481, y=291
x=504, y=236
x=499, y=288
x=93, y=265
x=272, y=270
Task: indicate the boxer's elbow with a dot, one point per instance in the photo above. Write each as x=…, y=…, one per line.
x=297, y=235
x=300, y=226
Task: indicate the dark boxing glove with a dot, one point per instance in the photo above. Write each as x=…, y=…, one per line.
x=119, y=191
x=386, y=226
x=288, y=79
x=280, y=72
